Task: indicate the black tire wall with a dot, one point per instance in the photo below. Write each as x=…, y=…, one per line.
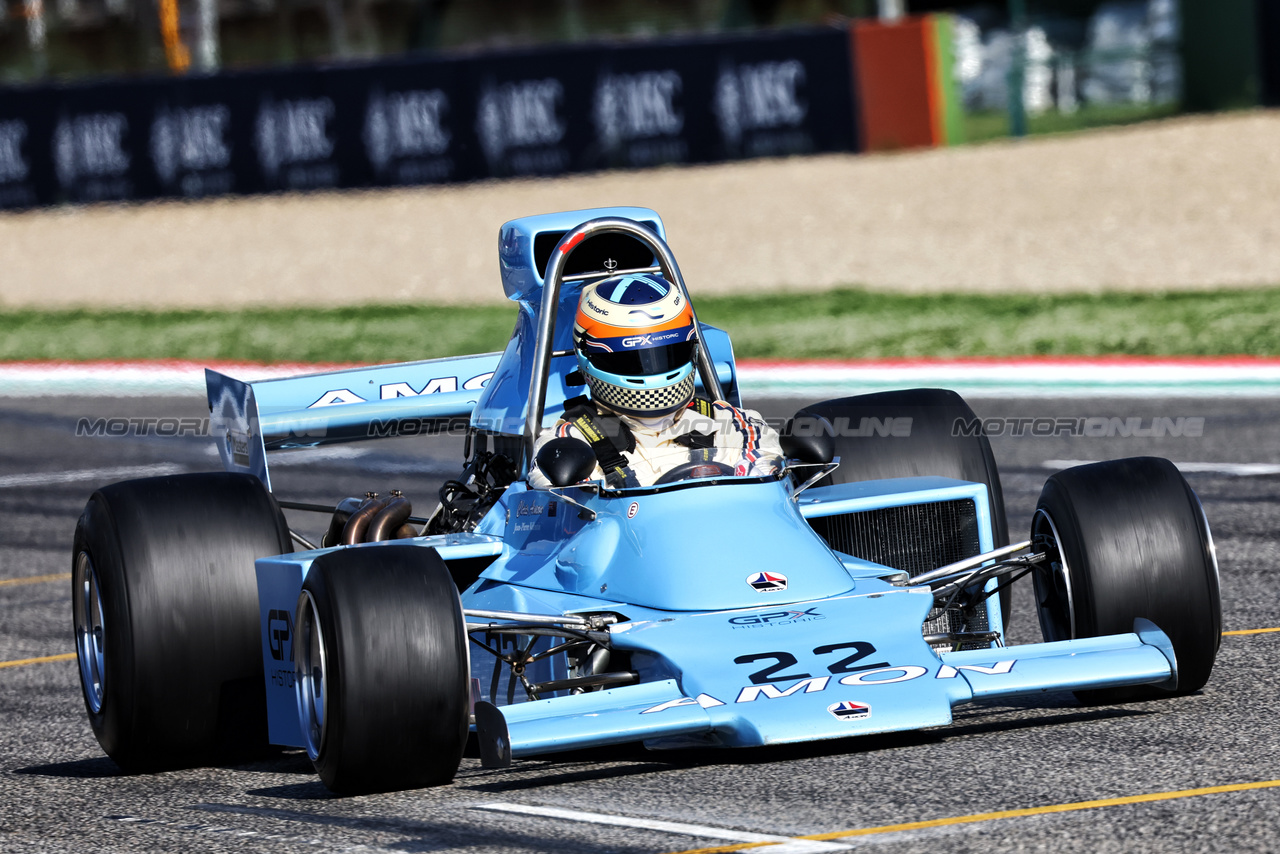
x=1138, y=545
x=398, y=677
x=183, y=673
x=935, y=445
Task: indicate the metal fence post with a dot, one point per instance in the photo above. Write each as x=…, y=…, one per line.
x=1018, y=68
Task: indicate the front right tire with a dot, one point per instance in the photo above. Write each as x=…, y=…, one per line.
x=1125, y=539
x=166, y=621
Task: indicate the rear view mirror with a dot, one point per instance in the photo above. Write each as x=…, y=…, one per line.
x=566, y=461
x=808, y=438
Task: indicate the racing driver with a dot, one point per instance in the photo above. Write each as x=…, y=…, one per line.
x=634, y=340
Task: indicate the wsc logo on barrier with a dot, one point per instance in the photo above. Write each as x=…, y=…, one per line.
x=554, y=111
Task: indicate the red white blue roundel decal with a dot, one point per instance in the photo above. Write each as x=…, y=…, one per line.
x=849, y=711
x=767, y=582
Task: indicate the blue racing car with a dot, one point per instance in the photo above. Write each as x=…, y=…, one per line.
x=859, y=587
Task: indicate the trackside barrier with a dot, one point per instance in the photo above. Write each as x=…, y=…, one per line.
x=428, y=121
x=907, y=92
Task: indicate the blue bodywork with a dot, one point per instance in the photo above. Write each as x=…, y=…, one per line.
x=838, y=651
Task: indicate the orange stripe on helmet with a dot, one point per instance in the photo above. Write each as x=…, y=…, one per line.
x=599, y=328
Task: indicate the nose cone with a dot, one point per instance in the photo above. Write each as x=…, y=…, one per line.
x=708, y=547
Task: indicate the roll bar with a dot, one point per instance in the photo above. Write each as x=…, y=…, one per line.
x=545, y=341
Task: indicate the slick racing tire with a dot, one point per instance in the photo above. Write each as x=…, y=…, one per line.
x=930, y=443
x=382, y=669
x=1127, y=539
x=165, y=614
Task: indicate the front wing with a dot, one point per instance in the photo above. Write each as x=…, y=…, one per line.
x=861, y=668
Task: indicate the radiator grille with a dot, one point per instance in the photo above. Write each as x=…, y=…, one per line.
x=915, y=539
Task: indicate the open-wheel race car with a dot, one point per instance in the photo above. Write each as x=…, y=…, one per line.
x=860, y=588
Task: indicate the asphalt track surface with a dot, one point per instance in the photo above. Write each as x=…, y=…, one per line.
x=1048, y=775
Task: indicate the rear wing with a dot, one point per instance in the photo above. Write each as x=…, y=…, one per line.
x=247, y=419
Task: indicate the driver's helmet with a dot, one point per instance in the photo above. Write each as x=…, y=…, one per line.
x=634, y=339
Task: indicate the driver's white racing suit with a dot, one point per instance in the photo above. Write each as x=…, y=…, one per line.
x=738, y=438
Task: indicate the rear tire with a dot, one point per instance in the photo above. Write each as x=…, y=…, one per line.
x=165, y=614
x=383, y=673
x=934, y=447
x=1126, y=539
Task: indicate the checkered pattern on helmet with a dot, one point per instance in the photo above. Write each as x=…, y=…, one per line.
x=642, y=400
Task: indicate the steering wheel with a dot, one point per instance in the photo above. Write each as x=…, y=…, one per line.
x=692, y=471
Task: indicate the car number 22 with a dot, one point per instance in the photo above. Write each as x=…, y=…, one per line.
x=784, y=660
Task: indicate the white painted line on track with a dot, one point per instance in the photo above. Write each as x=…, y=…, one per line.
x=13, y=481
x=369, y=460
x=780, y=844
x=132, y=379
x=1006, y=378
x=1119, y=376
x=302, y=456
x=1231, y=469
x=110, y=475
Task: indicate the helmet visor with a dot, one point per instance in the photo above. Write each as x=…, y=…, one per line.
x=646, y=362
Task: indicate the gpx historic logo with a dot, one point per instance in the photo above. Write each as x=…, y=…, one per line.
x=280, y=634
x=776, y=618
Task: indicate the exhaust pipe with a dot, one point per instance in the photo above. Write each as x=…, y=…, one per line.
x=354, y=531
x=386, y=524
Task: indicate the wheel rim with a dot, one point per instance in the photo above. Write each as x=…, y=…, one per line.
x=1210, y=549
x=310, y=665
x=90, y=630
x=1053, y=581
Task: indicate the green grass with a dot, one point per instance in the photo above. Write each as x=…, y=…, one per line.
x=365, y=334
x=858, y=324
x=841, y=324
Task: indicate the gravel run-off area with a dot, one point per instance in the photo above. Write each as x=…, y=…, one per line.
x=1184, y=203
